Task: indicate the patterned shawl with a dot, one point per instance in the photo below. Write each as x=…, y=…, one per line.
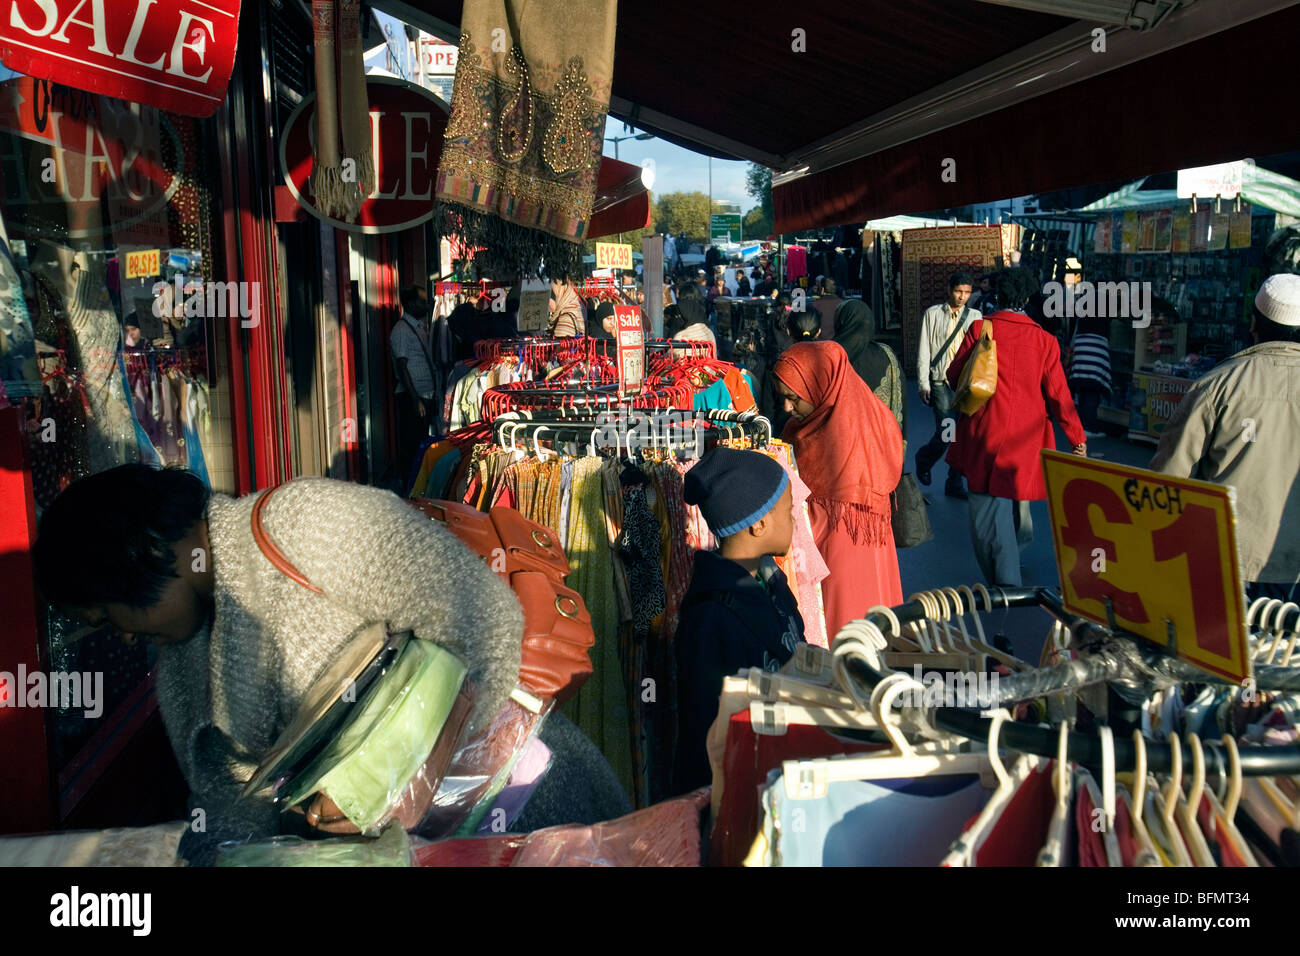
x=849, y=450
x=522, y=152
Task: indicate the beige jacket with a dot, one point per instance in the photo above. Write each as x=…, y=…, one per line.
x=1240, y=426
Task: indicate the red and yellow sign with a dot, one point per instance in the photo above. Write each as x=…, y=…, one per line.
x=613, y=255
x=1161, y=550
x=143, y=263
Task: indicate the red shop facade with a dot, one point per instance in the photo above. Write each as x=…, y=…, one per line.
x=170, y=301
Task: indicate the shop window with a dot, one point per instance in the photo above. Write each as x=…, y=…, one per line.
x=108, y=320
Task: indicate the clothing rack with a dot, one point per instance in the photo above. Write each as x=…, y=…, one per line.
x=632, y=428
x=1086, y=748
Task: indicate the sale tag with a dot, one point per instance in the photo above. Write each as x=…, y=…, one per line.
x=534, y=306
x=143, y=263
x=631, y=349
x=1161, y=551
x=613, y=255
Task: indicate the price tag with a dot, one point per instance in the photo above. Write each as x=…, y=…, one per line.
x=143, y=263
x=534, y=306
x=613, y=255
x=631, y=349
x=1163, y=550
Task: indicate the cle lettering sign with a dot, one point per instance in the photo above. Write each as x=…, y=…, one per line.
x=173, y=54
x=406, y=127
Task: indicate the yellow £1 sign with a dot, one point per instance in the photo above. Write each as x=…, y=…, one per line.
x=1160, y=550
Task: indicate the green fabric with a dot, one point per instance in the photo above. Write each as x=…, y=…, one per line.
x=368, y=765
x=392, y=848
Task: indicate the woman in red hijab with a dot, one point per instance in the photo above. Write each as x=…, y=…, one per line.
x=849, y=449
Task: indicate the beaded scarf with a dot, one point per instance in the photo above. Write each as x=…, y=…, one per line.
x=523, y=142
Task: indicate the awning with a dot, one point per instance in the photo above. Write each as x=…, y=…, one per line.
x=622, y=202
x=857, y=105
x=1260, y=187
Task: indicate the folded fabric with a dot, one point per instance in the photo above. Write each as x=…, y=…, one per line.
x=391, y=848
x=367, y=768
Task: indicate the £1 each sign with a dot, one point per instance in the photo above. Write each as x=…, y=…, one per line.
x=1156, y=552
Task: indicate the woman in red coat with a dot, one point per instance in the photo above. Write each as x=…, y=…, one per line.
x=997, y=448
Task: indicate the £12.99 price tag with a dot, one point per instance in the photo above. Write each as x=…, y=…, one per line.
x=1160, y=550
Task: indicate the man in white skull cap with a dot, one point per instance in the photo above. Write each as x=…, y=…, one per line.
x=1240, y=426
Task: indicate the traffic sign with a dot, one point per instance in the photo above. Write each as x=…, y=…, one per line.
x=1160, y=551
x=725, y=226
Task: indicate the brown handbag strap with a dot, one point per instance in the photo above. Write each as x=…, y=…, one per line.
x=269, y=548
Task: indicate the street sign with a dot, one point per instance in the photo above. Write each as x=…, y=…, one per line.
x=724, y=226
x=613, y=255
x=1161, y=551
x=631, y=349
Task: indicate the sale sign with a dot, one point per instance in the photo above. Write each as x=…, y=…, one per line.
x=1159, y=553
x=613, y=255
x=631, y=349
x=143, y=263
x=406, y=127
x=173, y=54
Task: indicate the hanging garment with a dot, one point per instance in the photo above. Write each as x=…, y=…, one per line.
x=1015, y=838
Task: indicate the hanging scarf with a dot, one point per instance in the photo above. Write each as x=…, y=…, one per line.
x=855, y=330
x=340, y=181
x=522, y=151
x=849, y=450
x=566, y=320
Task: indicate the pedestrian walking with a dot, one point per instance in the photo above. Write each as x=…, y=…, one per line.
x=942, y=328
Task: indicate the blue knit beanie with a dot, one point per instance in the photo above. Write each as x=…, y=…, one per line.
x=734, y=488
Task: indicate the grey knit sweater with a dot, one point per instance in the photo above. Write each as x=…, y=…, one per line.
x=228, y=692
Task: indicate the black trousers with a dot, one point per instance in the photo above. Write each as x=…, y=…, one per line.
x=941, y=403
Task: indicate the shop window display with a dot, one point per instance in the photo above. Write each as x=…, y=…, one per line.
x=106, y=324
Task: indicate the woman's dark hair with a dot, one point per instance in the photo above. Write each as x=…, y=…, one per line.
x=689, y=290
x=1266, y=330
x=960, y=278
x=1013, y=287
x=805, y=325
x=108, y=538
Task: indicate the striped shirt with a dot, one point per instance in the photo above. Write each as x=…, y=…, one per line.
x=1090, y=360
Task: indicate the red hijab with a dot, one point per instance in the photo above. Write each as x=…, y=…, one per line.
x=850, y=449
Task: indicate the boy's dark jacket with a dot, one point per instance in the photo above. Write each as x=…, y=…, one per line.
x=729, y=622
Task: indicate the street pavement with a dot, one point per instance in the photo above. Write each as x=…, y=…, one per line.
x=949, y=560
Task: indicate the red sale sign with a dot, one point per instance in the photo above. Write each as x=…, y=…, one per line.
x=631, y=349
x=406, y=127
x=173, y=54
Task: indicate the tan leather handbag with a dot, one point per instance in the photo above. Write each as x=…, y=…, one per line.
x=979, y=377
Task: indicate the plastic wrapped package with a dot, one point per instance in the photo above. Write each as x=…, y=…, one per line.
x=382, y=757
x=667, y=834
x=524, y=778
x=479, y=771
x=391, y=848
x=121, y=846
x=471, y=851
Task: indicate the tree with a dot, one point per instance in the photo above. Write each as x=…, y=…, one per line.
x=676, y=213
x=757, y=225
x=758, y=183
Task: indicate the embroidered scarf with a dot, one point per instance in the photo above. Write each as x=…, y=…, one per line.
x=522, y=150
x=340, y=181
x=849, y=450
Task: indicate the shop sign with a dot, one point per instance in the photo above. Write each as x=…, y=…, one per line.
x=143, y=263
x=1206, y=182
x=91, y=163
x=613, y=255
x=173, y=54
x=631, y=349
x=1153, y=400
x=439, y=57
x=406, y=127
x=1159, y=553
x=534, y=306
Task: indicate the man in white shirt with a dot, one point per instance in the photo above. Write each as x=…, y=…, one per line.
x=411, y=342
x=943, y=326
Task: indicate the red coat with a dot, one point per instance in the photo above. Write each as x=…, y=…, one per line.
x=997, y=447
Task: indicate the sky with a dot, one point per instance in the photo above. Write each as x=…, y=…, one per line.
x=681, y=170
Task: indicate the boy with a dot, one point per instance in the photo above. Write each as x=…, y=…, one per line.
x=738, y=611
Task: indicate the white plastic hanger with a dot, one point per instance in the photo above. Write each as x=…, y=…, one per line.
x=1146, y=855
x=1160, y=817
x=1224, y=814
x=962, y=852
x=1050, y=855
x=1188, y=803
